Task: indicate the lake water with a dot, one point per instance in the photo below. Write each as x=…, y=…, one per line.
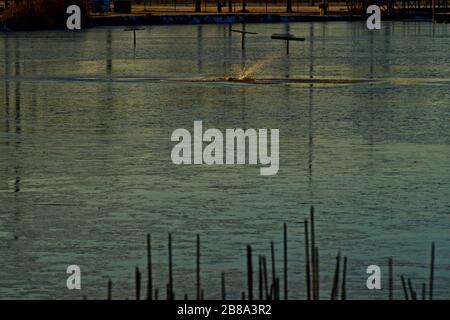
x=85, y=168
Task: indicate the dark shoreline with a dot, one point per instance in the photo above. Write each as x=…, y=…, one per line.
x=214, y=18
x=168, y=19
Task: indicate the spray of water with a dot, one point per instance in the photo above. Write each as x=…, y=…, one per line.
x=256, y=68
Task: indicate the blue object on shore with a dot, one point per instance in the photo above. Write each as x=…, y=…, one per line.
x=3, y=27
x=101, y=5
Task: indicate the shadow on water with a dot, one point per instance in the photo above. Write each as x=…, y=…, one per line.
x=310, y=115
x=17, y=123
x=12, y=109
x=6, y=96
x=287, y=61
x=200, y=49
x=109, y=54
x=243, y=52
x=107, y=108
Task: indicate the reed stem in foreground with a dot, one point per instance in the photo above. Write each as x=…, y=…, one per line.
x=249, y=272
x=138, y=283
x=334, y=291
x=285, y=262
x=198, y=269
x=344, y=278
x=307, y=262
x=149, y=268
x=432, y=271
x=391, y=278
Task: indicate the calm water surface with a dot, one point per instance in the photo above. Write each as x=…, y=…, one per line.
x=85, y=169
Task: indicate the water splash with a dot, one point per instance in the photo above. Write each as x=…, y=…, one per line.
x=248, y=73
